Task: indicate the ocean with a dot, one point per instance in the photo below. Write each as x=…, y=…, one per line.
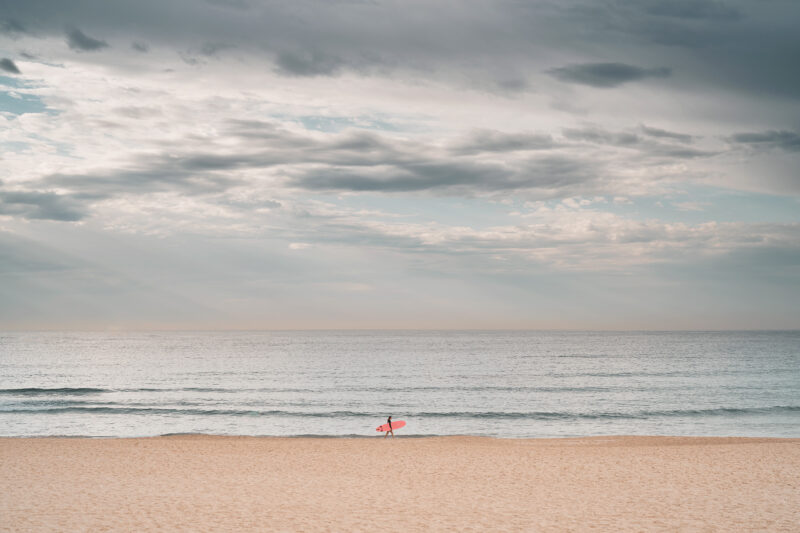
x=345, y=383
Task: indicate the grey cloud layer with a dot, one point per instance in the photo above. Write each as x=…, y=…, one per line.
x=42, y=205
x=551, y=175
x=783, y=140
x=9, y=66
x=606, y=75
x=733, y=45
x=657, y=132
x=11, y=27
x=495, y=141
x=691, y=9
x=312, y=63
x=730, y=46
x=360, y=161
x=77, y=40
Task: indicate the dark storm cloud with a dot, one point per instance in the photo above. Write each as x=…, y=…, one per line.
x=41, y=205
x=691, y=9
x=356, y=142
x=736, y=45
x=11, y=27
x=783, y=140
x=79, y=41
x=463, y=178
x=235, y=4
x=664, y=134
x=496, y=141
x=680, y=152
x=606, y=75
x=8, y=66
x=648, y=147
x=601, y=136
x=211, y=49
x=307, y=63
x=513, y=85
x=684, y=23
x=413, y=177
x=165, y=175
x=140, y=46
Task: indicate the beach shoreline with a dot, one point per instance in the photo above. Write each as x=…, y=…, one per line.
x=212, y=483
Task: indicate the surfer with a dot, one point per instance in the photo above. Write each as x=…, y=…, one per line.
x=389, y=420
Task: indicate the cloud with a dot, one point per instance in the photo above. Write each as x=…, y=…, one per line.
x=247, y=153
x=495, y=141
x=414, y=177
x=8, y=66
x=547, y=174
x=308, y=63
x=728, y=46
x=211, y=49
x=140, y=46
x=80, y=42
x=788, y=141
x=601, y=136
x=606, y=75
x=166, y=177
x=11, y=27
x=722, y=47
x=234, y=4
x=691, y=9
x=644, y=145
x=664, y=134
x=41, y=205
x=565, y=236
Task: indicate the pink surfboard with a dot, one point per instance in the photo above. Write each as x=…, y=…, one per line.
x=396, y=424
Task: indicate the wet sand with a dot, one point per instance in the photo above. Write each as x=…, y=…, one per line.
x=204, y=483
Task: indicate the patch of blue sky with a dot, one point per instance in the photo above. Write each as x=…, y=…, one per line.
x=19, y=103
x=61, y=148
x=14, y=146
x=754, y=207
x=699, y=204
x=335, y=124
x=14, y=83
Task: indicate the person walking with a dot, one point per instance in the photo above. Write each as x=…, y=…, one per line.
x=389, y=420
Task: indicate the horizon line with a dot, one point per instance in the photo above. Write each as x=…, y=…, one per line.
x=357, y=329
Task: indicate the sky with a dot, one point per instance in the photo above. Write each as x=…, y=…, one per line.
x=504, y=164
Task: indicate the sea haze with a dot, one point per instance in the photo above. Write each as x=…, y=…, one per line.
x=345, y=383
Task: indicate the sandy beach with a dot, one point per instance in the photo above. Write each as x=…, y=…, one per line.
x=204, y=483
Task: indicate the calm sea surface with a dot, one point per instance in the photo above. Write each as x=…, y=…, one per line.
x=345, y=383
